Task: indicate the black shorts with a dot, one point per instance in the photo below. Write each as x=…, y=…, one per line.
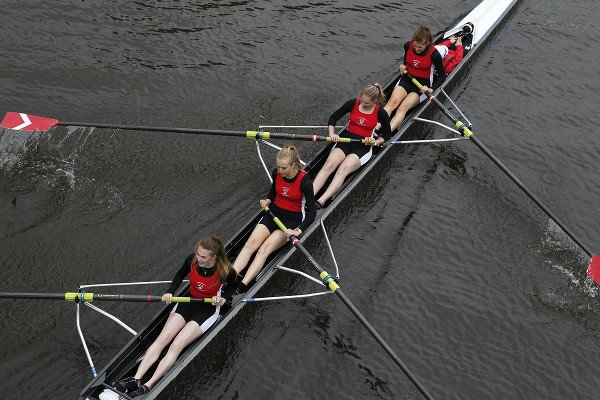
x=408, y=85
x=204, y=314
x=290, y=219
x=363, y=151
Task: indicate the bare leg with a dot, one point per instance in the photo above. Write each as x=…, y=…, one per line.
x=334, y=159
x=398, y=94
x=190, y=332
x=273, y=242
x=411, y=100
x=350, y=164
x=174, y=325
x=257, y=237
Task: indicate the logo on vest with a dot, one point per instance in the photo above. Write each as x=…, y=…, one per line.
x=416, y=63
x=285, y=191
x=362, y=120
x=200, y=286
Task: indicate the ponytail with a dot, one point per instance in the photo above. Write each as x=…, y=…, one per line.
x=375, y=92
x=214, y=244
x=290, y=152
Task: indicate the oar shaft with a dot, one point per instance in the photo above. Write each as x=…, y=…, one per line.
x=334, y=287
x=533, y=197
x=465, y=131
x=384, y=345
x=90, y=297
x=214, y=132
x=43, y=296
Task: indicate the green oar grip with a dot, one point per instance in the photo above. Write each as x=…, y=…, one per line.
x=188, y=300
x=276, y=220
x=75, y=296
x=416, y=82
x=463, y=129
x=260, y=135
x=329, y=281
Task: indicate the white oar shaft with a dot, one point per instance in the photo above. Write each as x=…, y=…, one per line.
x=428, y=141
x=297, y=296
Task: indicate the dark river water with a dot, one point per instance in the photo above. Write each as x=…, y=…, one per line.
x=466, y=279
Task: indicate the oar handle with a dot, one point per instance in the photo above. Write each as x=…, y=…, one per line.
x=412, y=78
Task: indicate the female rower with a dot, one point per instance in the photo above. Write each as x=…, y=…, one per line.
x=453, y=53
x=291, y=199
x=208, y=268
x=366, y=112
x=419, y=58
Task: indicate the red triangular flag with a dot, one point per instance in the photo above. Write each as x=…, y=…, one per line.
x=27, y=122
x=594, y=269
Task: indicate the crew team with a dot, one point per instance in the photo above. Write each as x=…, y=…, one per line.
x=294, y=198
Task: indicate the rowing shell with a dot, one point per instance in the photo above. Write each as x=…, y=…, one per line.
x=486, y=17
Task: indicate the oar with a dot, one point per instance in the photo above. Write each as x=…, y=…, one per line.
x=334, y=287
x=28, y=122
x=593, y=270
x=89, y=297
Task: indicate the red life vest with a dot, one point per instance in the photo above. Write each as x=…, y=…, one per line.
x=360, y=123
x=289, y=196
x=453, y=57
x=419, y=65
x=203, y=286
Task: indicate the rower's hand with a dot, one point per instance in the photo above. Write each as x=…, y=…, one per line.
x=334, y=137
x=218, y=300
x=265, y=203
x=371, y=141
x=425, y=89
x=293, y=232
x=167, y=298
x=402, y=67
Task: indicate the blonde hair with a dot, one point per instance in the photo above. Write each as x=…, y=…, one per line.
x=214, y=244
x=423, y=35
x=375, y=92
x=290, y=153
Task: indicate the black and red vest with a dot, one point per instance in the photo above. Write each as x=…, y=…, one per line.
x=360, y=123
x=203, y=286
x=419, y=65
x=289, y=196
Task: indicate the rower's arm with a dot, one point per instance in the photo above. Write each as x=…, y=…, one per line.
x=309, y=196
x=340, y=112
x=440, y=75
x=405, y=50
x=385, y=131
x=181, y=274
x=272, y=192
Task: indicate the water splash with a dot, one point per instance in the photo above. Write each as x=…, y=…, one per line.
x=13, y=145
x=568, y=258
x=45, y=176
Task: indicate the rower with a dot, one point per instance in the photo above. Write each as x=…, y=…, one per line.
x=420, y=58
x=366, y=112
x=209, y=269
x=291, y=199
x=452, y=52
